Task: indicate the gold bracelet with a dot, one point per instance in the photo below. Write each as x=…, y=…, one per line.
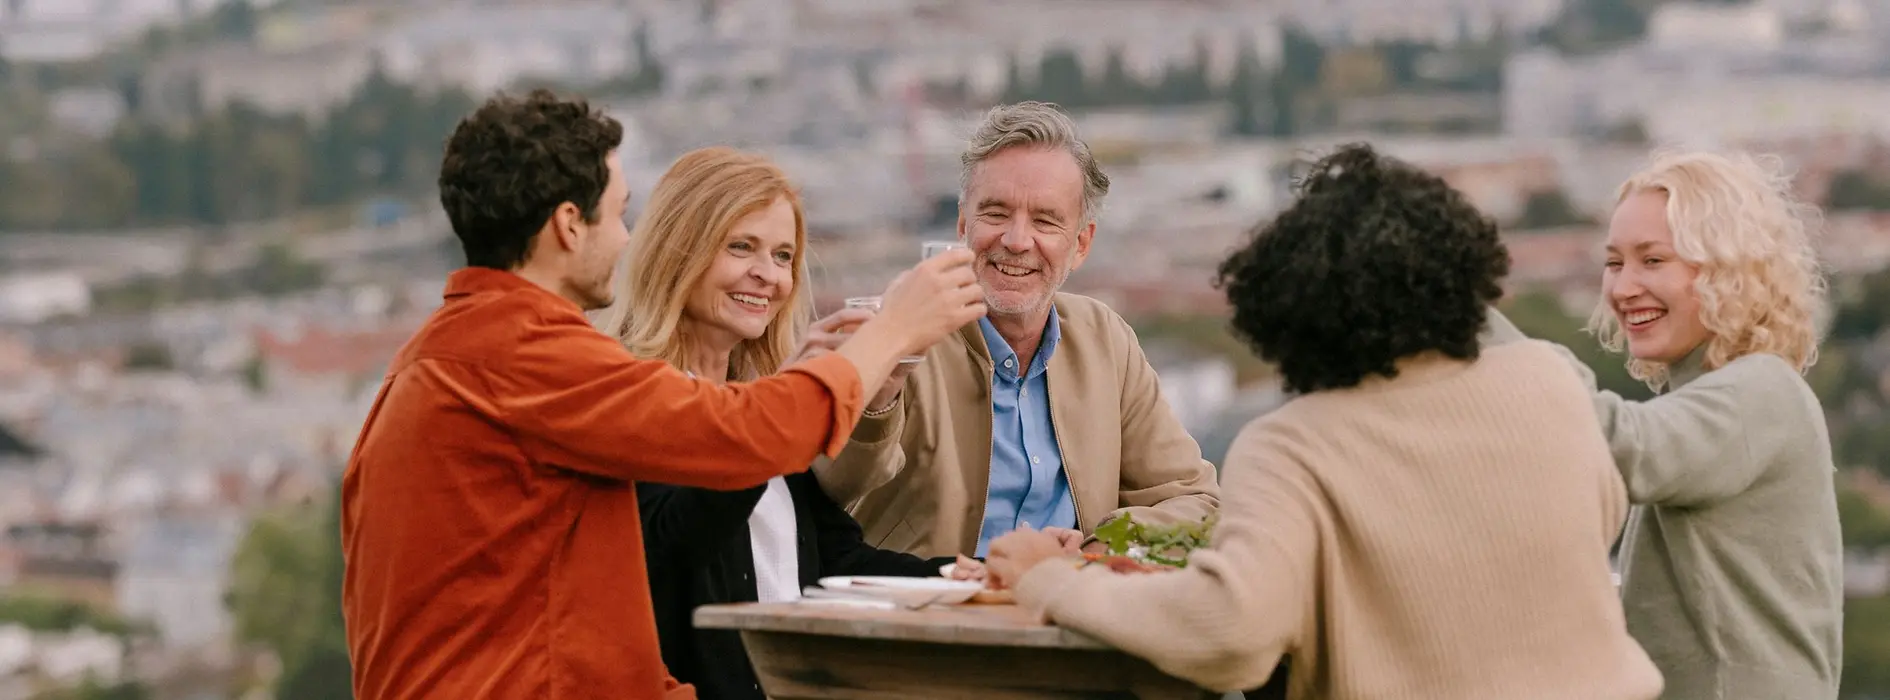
x=870, y=413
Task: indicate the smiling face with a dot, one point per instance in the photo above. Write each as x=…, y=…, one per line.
x=1648, y=286
x=751, y=277
x=1023, y=217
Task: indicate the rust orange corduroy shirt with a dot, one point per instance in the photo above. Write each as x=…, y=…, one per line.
x=489, y=518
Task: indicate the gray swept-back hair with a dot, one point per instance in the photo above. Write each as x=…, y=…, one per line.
x=1037, y=124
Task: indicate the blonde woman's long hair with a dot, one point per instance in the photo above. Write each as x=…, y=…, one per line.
x=682, y=229
x=1760, y=285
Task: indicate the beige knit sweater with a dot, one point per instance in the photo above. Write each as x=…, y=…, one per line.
x=1443, y=534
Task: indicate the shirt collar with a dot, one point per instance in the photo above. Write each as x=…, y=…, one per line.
x=473, y=280
x=1687, y=368
x=1001, y=351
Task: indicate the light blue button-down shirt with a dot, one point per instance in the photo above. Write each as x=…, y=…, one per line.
x=1027, y=481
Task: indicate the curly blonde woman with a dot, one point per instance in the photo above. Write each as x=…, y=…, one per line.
x=1753, y=281
x=1732, y=562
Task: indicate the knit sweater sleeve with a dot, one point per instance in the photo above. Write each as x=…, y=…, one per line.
x=1712, y=438
x=1225, y=620
x=1703, y=442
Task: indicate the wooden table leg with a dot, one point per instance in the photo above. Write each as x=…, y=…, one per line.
x=793, y=666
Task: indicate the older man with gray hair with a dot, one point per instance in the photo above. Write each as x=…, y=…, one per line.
x=1044, y=414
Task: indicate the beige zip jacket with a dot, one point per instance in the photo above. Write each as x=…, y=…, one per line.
x=916, y=477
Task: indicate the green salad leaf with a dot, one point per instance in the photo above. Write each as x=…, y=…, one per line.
x=1162, y=544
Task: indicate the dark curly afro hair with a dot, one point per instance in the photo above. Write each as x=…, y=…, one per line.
x=1376, y=261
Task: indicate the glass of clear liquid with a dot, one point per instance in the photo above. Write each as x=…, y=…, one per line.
x=872, y=304
x=931, y=248
x=926, y=251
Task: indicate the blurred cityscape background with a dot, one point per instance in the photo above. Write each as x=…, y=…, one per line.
x=218, y=221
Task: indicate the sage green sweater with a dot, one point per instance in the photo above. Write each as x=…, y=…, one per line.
x=1732, y=562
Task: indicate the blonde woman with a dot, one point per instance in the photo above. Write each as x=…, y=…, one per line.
x=715, y=282
x=1732, y=563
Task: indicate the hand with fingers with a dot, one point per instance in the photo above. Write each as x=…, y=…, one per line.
x=967, y=569
x=829, y=332
x=934, y=299
x=1015, y=553
x=1072, y=540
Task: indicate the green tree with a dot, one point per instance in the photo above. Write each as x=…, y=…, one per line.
x=285, y=596
x=235, y=163
x=1302, y=59
x=1401, y=61
x=1631, y=132
x=1857, y=189
x=1294, y=91
x=93, y=689
x=1206, y=333
x=256, y=375
x=1863, y=310
x=109, y=186
x=274, y=594
x=1016, y=88
x=48, y=613
x=235, y=19
x=1060, y=79
x=1549, y=209
x=151, y=357
x=1185, y=83
x=1866, y=525
x=1866, y=648
x=1246, y=92
x=649, y=76
x=1593, y=25
x=31, y=198
x=1117, y=87
x=320, y=671
x=279, y=270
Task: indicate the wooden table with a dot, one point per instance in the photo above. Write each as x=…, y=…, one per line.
x=987, y=652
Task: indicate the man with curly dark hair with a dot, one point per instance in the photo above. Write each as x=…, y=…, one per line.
x=489, y=511
x=1423, y=519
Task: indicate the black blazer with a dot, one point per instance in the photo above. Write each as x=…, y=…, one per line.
x=697, y=545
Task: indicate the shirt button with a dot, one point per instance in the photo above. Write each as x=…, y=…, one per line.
x=1007, y=363
x=1021, y=393
x=1034, y=460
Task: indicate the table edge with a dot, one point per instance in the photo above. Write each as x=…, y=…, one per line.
x=739, y=618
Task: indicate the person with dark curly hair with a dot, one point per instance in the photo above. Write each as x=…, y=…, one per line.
x=489, y=510
x=1424, y=519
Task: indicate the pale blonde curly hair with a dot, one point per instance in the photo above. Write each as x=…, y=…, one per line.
x=1760, y=285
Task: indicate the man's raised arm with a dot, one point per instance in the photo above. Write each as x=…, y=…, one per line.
x=577, y=400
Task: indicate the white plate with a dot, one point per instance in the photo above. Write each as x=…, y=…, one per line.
x=939, y=591
x=849, y=603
